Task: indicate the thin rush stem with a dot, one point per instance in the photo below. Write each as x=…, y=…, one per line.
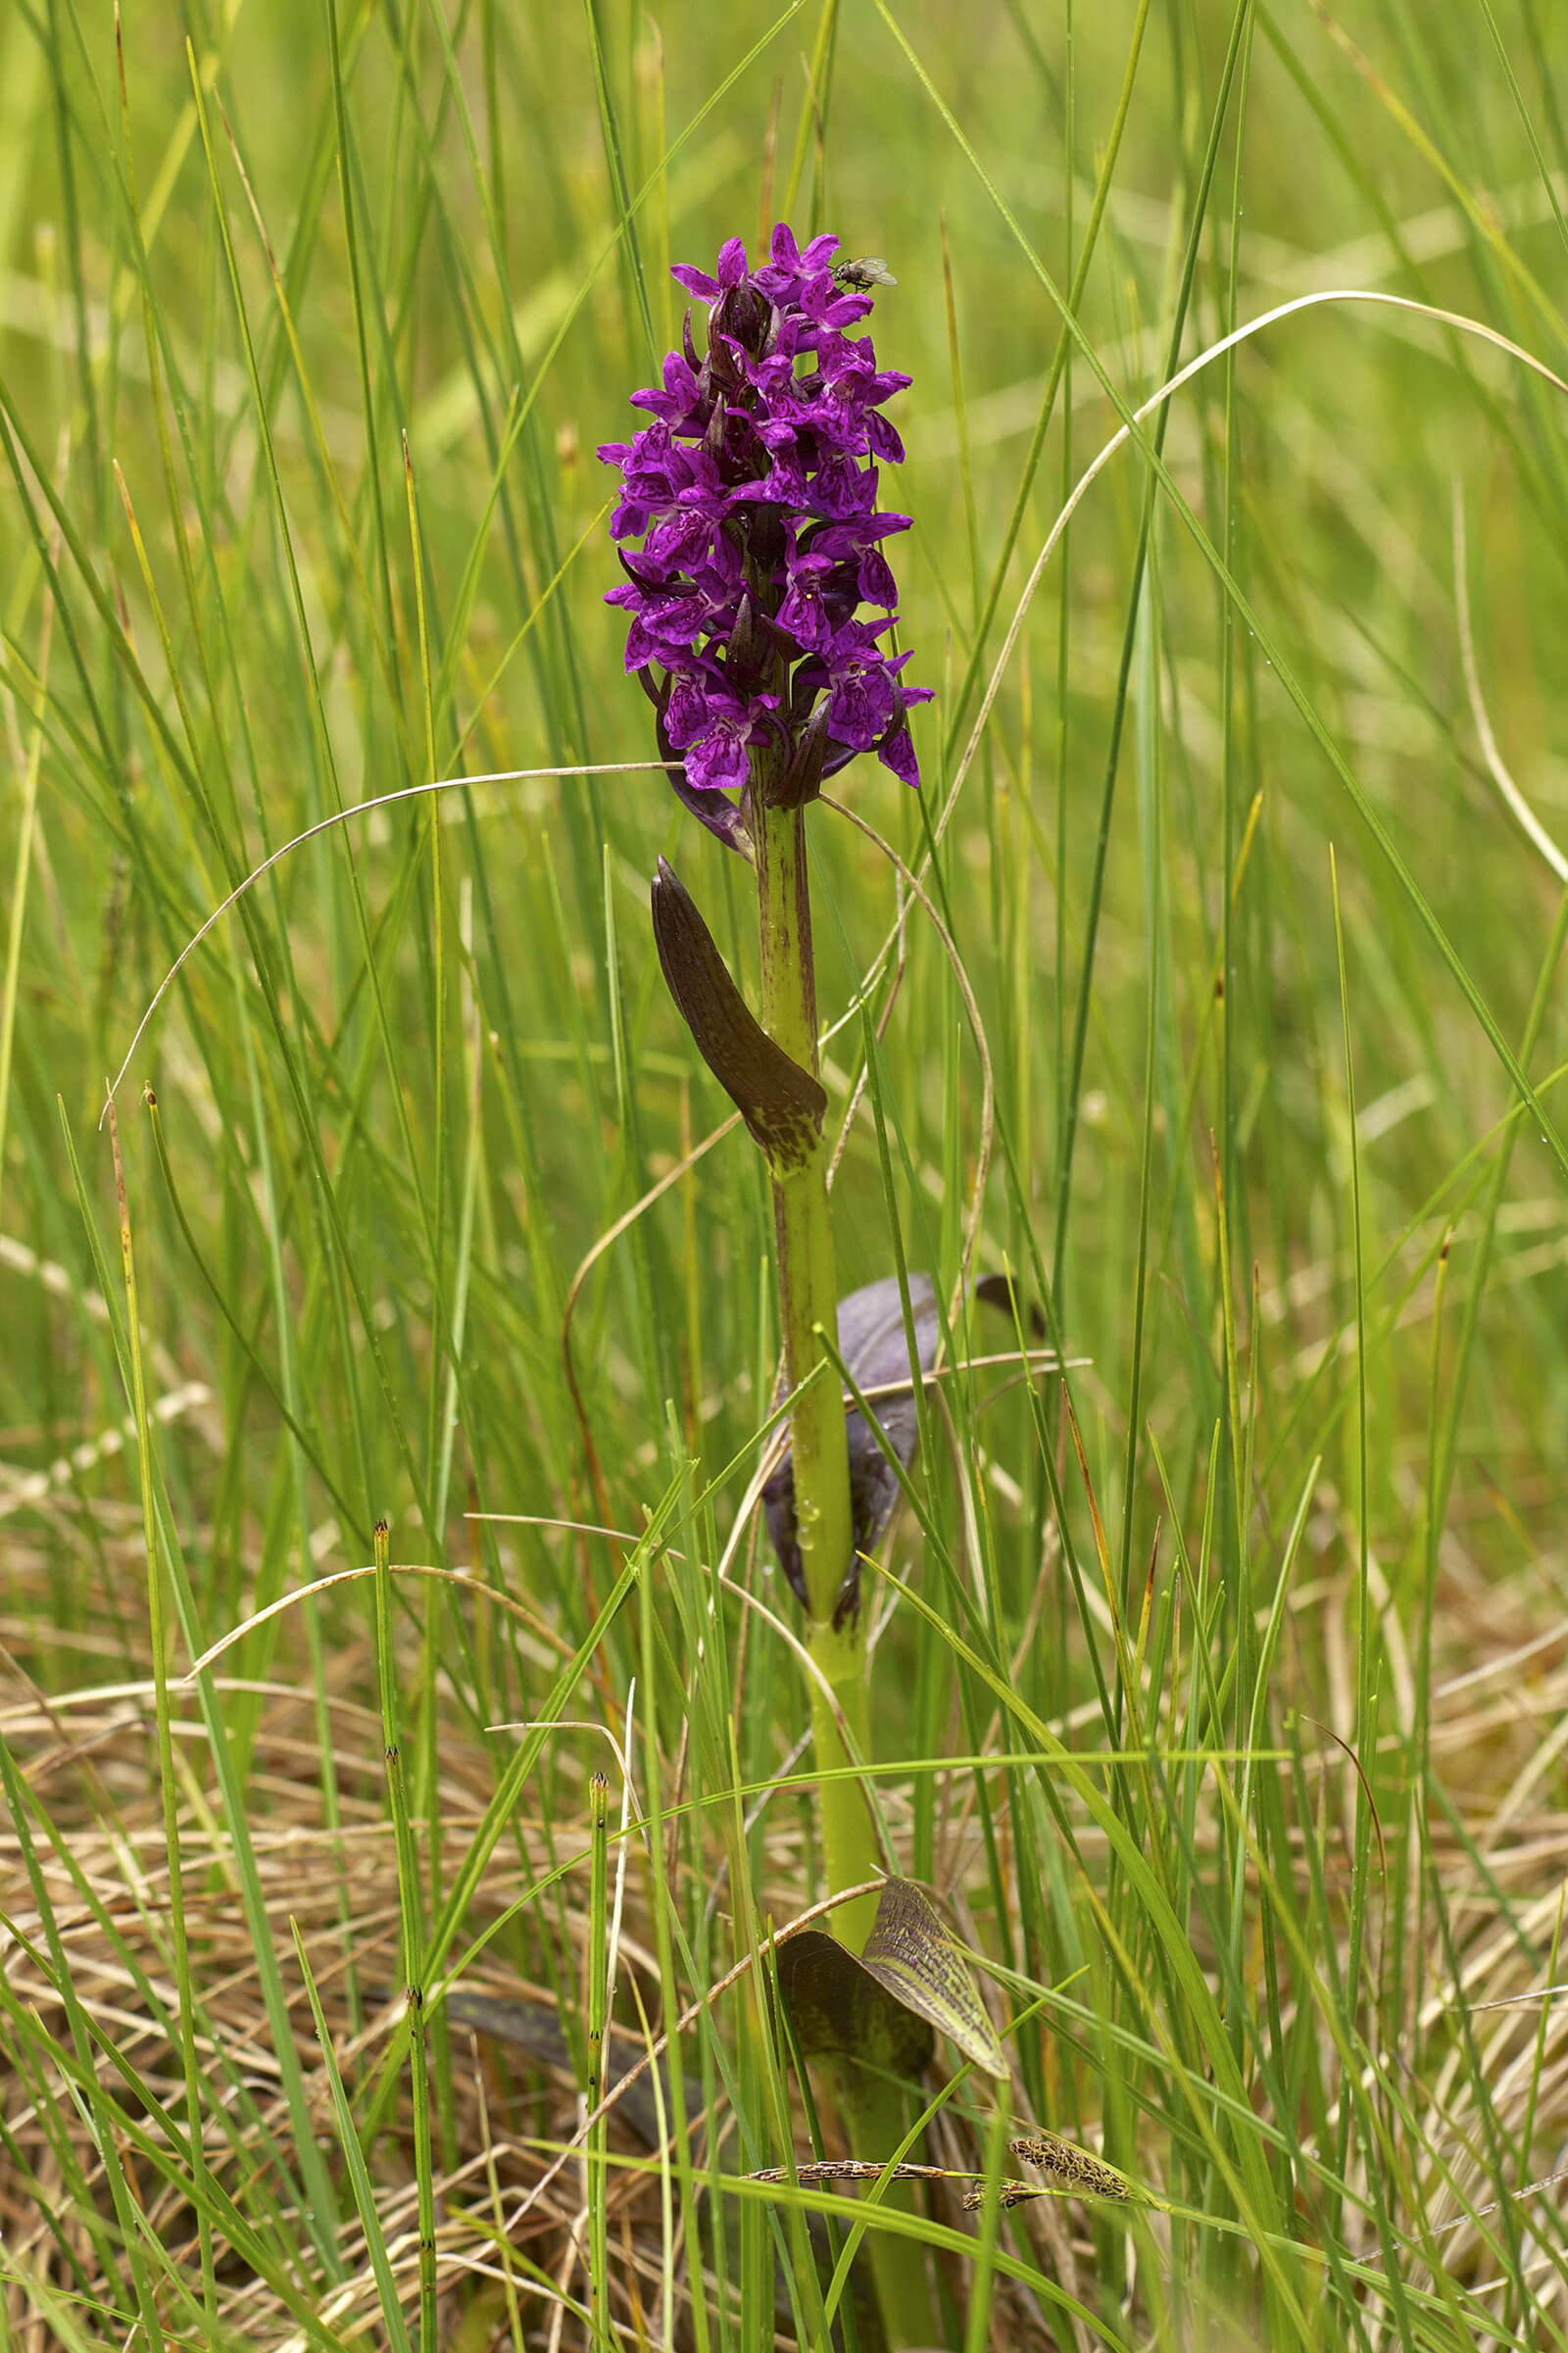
x=412, y=1934
x=598, y=2005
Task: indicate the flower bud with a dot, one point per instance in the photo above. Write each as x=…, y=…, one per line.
x=798, y=778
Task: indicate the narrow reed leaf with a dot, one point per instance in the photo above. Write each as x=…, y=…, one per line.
x=597, y=1969
x=159, y=1635
x=412, y=1942
x=354, y=2161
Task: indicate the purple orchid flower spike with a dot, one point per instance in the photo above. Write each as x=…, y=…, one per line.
x=753, y=490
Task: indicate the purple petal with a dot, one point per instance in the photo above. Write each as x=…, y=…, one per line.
x=800, y=616
x=859, y=708
x=687, y=712
x=680, y=543
x=876, y=583
x=629, y=517
x=897, y=752
x=642, y=645
x=694, y=281
x=716, y=762
x=885, y=442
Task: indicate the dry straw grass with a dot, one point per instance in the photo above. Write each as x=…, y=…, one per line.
x=510, y=2213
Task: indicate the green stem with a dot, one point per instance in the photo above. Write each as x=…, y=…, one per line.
x=808, y=1309
x=873, y=2111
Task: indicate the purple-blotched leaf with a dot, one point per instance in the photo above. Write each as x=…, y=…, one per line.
x=783, y=1106
x=1000, y=1291
x=839, y=2010
x=875, y=1349
x=914, y=1956
x=879, y=2007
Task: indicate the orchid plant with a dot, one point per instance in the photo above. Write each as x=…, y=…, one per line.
x=760, y=604
x=761, y=607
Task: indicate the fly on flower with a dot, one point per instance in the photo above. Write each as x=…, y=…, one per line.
x=759, y=599
x=863, y=275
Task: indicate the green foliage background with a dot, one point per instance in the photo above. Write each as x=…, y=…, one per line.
x=310, y=321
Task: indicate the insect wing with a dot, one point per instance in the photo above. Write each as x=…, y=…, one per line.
x=872, y=271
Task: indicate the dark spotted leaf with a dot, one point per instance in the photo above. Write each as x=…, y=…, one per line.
x=783, y=1106
x=875, y=1346
x=880, y=2007
x=1002, y=1293
x=913, y=1953
x=840, y=2011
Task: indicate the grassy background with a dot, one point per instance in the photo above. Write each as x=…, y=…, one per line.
x=425, y=1077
